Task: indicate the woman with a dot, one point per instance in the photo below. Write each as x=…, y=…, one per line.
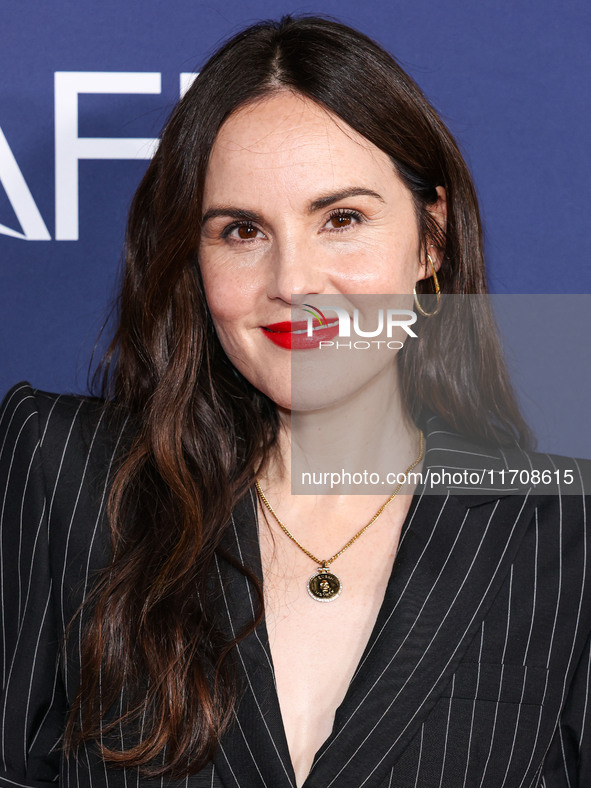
x=303, y=165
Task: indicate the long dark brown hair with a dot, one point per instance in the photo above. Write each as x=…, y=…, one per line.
x=202, y=431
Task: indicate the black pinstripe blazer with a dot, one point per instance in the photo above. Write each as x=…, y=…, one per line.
x=477, y=672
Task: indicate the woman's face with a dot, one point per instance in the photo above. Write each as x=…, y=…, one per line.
x=297, y=203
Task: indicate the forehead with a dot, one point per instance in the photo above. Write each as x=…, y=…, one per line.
x=289, y=140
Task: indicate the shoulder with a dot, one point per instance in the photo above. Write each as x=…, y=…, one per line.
x=558, y=483
x=558, y=493
x=58, y=411
x=556, y=488
x=63, y=432
x=552, y=493
x=58, y=455
x=489, y=468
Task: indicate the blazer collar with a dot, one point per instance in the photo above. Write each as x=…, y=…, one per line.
x=455, y=550
x=476, y=472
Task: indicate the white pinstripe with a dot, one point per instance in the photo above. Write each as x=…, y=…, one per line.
x=59, y=470
x=559, y=580
x=492, y=738
x=223, y=751
x=2, y=553
x=420, y=756
x=535, y=744
x=121, y=731
x=516, y=729
x=535, y=593
x=21, y=530
x=453, y=682
x=74, y=508
x=25, y=753
x=563, y=757
x=587, y=689
x=474, y=704
x=53, y=691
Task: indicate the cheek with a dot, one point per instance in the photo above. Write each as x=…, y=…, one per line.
x=383, y=270
x=225, y=313
x=228, y=302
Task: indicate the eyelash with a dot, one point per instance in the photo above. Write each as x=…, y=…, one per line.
x=339, y=212
x=342, y=212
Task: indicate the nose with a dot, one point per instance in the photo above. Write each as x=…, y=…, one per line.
x=295, y=268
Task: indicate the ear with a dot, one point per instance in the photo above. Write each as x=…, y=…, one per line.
x=438, y=212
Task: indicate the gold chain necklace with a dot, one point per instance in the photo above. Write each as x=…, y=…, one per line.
x=324, y=586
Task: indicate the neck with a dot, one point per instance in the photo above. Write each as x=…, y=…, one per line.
x=363, y=434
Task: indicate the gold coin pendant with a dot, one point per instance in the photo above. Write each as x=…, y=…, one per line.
x=324, y=586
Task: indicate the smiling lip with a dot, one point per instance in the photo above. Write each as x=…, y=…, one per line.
x=293, y=335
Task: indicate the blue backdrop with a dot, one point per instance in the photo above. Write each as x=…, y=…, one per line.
x=511, y=79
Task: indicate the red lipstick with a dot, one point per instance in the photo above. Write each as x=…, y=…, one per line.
x=293, y=335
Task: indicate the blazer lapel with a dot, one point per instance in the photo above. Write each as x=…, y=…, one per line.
x=254, y=750
x=454, y=554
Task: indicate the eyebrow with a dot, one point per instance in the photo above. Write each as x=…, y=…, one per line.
x=231, y=212
x=316, y=205
x=352, y=191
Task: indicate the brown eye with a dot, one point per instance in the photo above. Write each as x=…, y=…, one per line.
x=246, y=232
x=341, y=220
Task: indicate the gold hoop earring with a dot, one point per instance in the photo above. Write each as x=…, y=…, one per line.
x=437, y=293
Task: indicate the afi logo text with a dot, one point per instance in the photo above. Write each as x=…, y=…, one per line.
x=70, y=149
